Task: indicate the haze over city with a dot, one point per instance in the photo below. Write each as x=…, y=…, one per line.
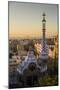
x=25, y=20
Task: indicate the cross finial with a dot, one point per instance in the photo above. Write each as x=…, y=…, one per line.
x=44, y=14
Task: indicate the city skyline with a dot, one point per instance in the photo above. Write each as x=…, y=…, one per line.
x=25, y=19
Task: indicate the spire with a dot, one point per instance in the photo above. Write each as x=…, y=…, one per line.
x=44, y=53
x=44, y=14
x=43, y=17
x=43, y=29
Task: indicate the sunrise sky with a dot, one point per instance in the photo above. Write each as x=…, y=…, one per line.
x=25, y=19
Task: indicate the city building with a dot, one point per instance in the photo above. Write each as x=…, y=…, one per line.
x=14, y=61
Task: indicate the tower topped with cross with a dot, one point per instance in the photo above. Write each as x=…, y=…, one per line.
x=44, y=52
